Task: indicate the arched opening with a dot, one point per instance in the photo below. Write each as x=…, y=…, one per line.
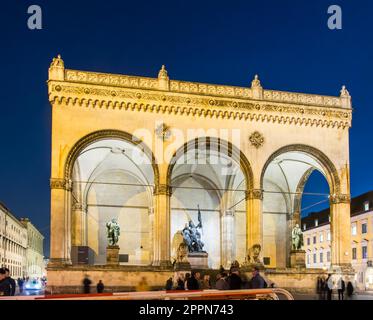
x=284, y=178
x=113, y=176
x=212, y=175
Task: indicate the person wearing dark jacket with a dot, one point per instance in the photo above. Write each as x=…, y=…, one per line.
x=341, y=289
x=5, y=288
x=12, y=282
x=257, y=281
x=87, y=284
x=350, y=290
x=235, y=281
x=193, y=281
x=169, y=284
x=100, y=287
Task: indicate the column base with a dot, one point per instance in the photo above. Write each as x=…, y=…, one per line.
x=58, y=262
x=163, y=264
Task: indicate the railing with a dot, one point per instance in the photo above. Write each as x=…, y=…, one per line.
x=270, y=293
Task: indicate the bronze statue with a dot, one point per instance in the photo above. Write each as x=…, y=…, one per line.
x=113, y=232
x=297, y=238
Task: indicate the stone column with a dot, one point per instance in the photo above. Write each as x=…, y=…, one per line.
x=254, y=218
x=340, y=231
x=227, y=238
x=151, y=233
x=162, y=248
x=79, y=224
x=60, y=222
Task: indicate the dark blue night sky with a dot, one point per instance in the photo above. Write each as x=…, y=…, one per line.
x=286, y=42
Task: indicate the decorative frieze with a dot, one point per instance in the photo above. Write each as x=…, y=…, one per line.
x=171, y=103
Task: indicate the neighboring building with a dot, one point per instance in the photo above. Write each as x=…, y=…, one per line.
x=13, y=243
x=21, y=246
x=317, y=239
x=34, y=255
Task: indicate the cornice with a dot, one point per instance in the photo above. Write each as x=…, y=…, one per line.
x=104, y=97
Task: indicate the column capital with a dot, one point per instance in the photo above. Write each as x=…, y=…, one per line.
x=162, y=189
x=57, y=183
x=254, y=194
x=79, y=206
x=340, y=198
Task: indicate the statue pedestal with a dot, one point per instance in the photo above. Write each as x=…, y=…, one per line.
x=249, y=266
x=182, y=266
x=112, y=255
x=198, y=260
x=298, y=259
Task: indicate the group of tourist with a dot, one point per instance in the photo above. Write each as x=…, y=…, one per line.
x=325, y=287
x=225, y=280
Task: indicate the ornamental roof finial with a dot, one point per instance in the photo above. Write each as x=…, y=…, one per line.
x=57, y=62
x=162, y=74
x=256, y=82
x=344, y=92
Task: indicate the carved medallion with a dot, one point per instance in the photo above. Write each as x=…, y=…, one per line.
x=163, y=132
x=256, y=139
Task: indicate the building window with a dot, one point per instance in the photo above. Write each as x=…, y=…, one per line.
x=354, y=253
x=321, y=257
x=308, y=259
x=328, y=236
x=304, y=227
x=353, y=229
x=321, y=237
x=366, y=206
x=314, y=258
x=365, y=252
x=314, y=240
x=364, y=228
x=316, y=222
x=308, y=241
x=328, y=256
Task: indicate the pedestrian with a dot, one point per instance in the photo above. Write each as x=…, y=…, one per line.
x=234, y=280
x=206, y=283
x=187, y=277
x=169, y=284
x=180, y=284
x=257, y=281
x=341, y=288
x=350, y=290
x=193, y=281
x=20, y=283
x=100, y=287
x=221, y=282
x=87, y=284
x=5, y=288
x=323, y=289
x=329, y=287
x=12, y=282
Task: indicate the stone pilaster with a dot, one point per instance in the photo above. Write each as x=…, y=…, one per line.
x=254, y=233
x=79, y=224
x=228, y=237
x=60, y=244
x=162, y=247
x=151, y=233
x=340, y=230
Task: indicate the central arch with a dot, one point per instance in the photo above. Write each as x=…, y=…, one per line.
x=215, y=175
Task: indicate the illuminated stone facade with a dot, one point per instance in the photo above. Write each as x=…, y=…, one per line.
x=243, y=154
